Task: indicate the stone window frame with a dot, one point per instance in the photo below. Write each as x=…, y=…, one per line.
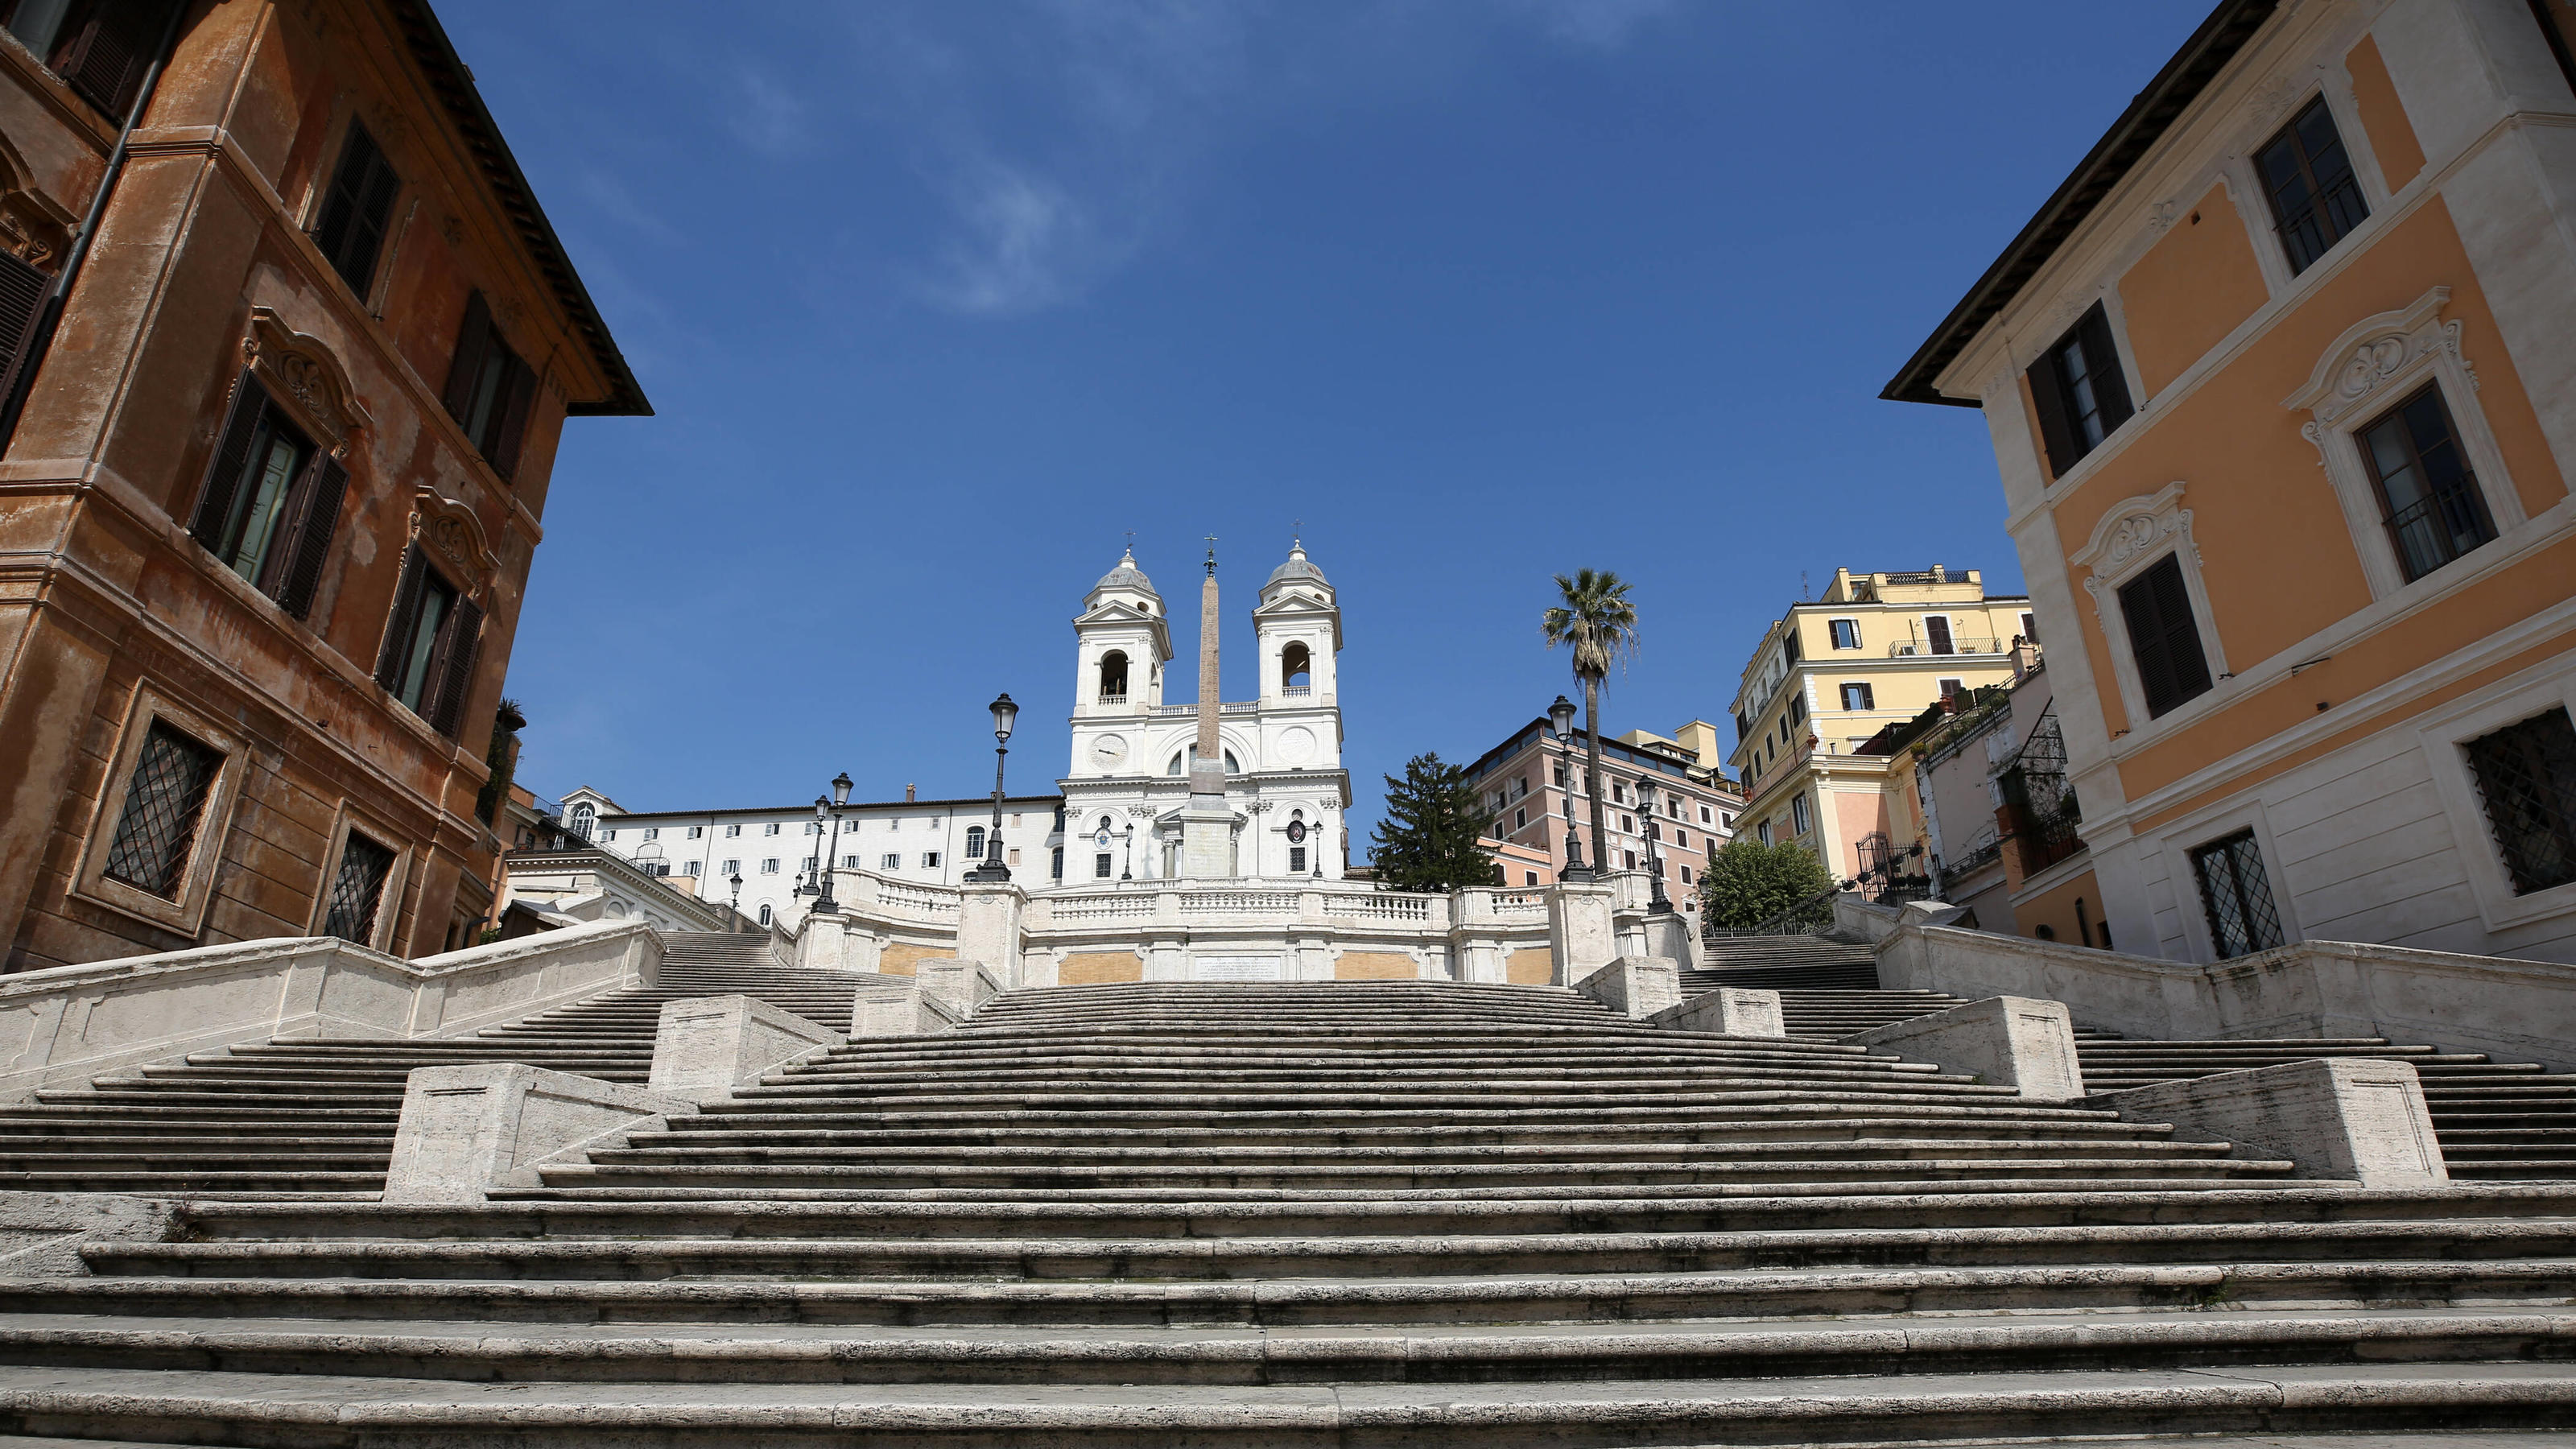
x=2444, y=735
x=2377, y=363
x=2177, y=840
x=187, y=914
x=2131, y=537
x=389, y=906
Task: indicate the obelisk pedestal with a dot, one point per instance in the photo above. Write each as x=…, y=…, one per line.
x=1207, y=825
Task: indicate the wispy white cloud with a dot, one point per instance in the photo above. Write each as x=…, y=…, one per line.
x=1025, y=244
x=767, y=116
x=1603, y=25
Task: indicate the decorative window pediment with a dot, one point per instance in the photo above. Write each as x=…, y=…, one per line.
x=2130, y=533
x=449, y=531
x=301, y=370
x=2356, y=372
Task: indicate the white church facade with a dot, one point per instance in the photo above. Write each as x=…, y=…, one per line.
x=1128, y=785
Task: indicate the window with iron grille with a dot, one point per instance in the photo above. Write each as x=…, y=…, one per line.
x=2164, y=638
x=2526, y=776
x=1100, y=867
x=2236, y=896
x=2428, y=498
x=358, y=889
x=173, y=774
x=1296, y=860
x=2309, y=179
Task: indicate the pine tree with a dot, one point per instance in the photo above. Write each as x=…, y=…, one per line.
x=1428, y=840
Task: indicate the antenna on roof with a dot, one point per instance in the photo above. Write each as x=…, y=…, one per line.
x=1804, y=595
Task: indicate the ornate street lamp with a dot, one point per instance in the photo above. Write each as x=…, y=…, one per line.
x=1560, y=716
x=737, y=895
x=1004, y=712
x=823, y=902
x=1127, y=860
x=1648, y=801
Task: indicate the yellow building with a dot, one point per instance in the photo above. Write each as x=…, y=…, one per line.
x=2282, y=383
x=1875, y=651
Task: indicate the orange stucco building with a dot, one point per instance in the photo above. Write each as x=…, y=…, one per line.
x=272, y=485
x=2282, y=386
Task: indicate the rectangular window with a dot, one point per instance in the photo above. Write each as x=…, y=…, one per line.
x=1936, y=634
x=1681, y=839
x=1859, y=697
x=1529, y=877
x=1627, y=825
x=356, y=210
x=1703, y=815
x=890, y=861
x=358, y=889
x=99, y=47
x=2079, y=392
x=2428, y=498
x=1296, y=860
x=1055, y=866
x=849, y=862
x=1764, y=830
x=430, y=645
x=1797, y=713
x=2309, y=181
x=697, y=832
x=1952, y=688
x=1846, y=633
x=1632, y=859
x=770, y=829
x=2236, y=897
x=1726, y=822
x=1100, y=866
x=270, y=501
x=2526, y=776
x=930, y=860
x=732, y=831
x=158, y=827
x=733, y=867
x=1686, y=880
x=608, y=835
x=2030, y=627
x=690, y=869
x=1801, y=816
x=1015, y=858
x=769, y=866
x=1520, y=818
x=490, y=390
x=652, y=832
x=2163, y=638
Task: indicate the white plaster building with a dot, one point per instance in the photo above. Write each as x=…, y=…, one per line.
x=1129, y=775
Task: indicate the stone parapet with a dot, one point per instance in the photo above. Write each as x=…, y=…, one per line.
x=467, y=1130
x=1727, y=1011
x=2355, y=1118
x=1635, y=985
x=705, y=1046
x=2006, y=1041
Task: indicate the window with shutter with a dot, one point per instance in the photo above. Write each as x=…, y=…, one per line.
x=2163, y=637
x=2079, y=391
x=356, y=210
x=22, y=296
x=431, y=643
x=271, y=500
x=490, y=389
x=101, y=48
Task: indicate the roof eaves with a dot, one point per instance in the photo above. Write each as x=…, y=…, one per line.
x=453, y=82
x=2148, y=117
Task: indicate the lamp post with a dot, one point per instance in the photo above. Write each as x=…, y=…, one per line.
x=1127, y=858
x=823, y=902
x=1560, y=716
x=1004, y=712
x=1648, y=800
x=736, y=905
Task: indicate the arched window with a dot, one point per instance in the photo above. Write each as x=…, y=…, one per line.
x=582, y=816
x=1113, y=677
x=764, y=914
x=975, y=842
x=1179, y=764
x=1296, y=665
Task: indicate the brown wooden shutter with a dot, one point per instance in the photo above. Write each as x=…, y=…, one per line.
x=467, y=362
x=461, y=640
x=311, y=531
x=514, y=419
x=106, y=60
x=2048, y=396
x=351, y=230
x=2163, y=637
x=231, y=460
x=405, y=617
x=2102, y=367
x=22, y=296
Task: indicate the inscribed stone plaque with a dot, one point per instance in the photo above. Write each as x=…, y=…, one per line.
x=1238, y=968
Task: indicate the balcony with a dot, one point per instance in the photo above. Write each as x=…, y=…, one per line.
x=1908, y=648
x=1106, y=698
x=1297, y=691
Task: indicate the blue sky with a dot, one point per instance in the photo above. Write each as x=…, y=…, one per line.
x=938, y=300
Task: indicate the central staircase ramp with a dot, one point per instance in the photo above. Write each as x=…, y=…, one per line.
x=1327, y=1214
x=317, y=1114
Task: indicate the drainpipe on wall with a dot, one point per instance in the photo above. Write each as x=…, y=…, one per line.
x=50, y=314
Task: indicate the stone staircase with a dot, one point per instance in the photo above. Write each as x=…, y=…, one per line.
x=317, y=1114
x=2495, y=1120
x=1373, y=1214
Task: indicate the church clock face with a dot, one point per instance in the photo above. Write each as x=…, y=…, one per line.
x=1109, y=749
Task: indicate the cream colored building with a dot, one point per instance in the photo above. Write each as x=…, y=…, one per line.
x=1875, y=651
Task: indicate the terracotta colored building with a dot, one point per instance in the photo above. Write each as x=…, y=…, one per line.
x=272, y=484
x=2282, y=383
x=1535, y=783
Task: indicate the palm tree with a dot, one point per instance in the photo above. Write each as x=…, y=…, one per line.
x=1598, y=623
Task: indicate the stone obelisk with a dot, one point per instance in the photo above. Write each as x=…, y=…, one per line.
x=1207, y=825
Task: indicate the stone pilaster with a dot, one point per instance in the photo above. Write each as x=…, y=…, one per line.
x=989, y=927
